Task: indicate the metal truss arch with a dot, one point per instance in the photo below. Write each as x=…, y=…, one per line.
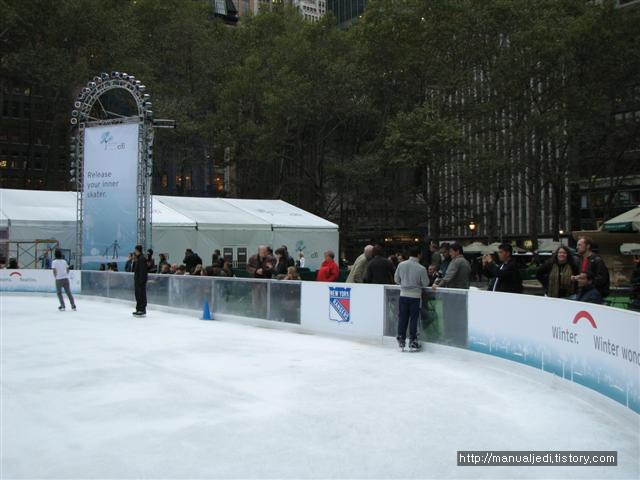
x=81, y=118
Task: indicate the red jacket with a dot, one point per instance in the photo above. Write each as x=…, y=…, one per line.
x=328, y=272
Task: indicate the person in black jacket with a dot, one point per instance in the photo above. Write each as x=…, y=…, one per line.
x=379, y=269
x=588, y=292
x=591, y=263
x=140, y=282
x=506, y=277
x=128, y=266
x=191, y=260
x=282, y=263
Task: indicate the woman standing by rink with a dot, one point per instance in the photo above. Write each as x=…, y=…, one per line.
x=60, y=269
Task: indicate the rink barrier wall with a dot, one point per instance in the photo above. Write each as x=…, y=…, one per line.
x=593, y=345
x=590, y=345
x=32, y=280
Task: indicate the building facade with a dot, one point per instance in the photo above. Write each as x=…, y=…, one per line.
x=346, y=11
x=311, y=10
x=34, y=143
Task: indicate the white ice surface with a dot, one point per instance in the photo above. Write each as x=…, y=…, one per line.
x=100, y=394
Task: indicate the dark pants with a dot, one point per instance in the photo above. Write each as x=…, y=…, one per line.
x=409, y=313
x=141, y=296
x=64, y=283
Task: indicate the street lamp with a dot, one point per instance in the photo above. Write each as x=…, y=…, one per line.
x=472, y=227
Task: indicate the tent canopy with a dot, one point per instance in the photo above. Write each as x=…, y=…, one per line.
x=477, y=248
x=36, y=206
x=280, y=214
x=546, y=245
x=625, y=222
x=203, y=224
x=168, y=217
x=214, y=213
x=630, y=249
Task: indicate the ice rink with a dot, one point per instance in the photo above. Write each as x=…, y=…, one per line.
x=100, y=394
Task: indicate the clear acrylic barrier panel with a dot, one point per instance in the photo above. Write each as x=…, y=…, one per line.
x=189, y=292
x=443, y=316
x=246, y=298
x=121, y=286
x=284, y=301
x=158, y=289
x=95, y=283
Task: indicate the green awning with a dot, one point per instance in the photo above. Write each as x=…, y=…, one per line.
x=626, y=222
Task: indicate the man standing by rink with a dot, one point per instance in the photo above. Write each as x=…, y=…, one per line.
x=412, y=278
x=140, y=282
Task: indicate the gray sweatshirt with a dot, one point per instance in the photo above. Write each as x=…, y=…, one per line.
x=458, y=273
x=412, y=277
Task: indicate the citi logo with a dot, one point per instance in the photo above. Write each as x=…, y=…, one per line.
x=15, y=274
x=109, y=144
x=587, y=316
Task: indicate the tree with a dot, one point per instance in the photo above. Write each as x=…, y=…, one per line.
x=421, y=143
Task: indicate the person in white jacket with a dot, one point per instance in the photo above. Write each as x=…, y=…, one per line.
x=60, y=269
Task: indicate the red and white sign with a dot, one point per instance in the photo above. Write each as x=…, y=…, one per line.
x=27, y=280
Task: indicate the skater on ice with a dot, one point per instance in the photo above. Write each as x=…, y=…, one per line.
x=140, y=282
x=412, y=278
x=60, y=269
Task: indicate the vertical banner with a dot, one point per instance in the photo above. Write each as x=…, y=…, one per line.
x=109, y=223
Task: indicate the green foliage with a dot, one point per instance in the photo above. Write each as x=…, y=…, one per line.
x=360, y=124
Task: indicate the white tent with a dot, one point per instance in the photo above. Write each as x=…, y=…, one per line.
x=39, y=215
x=630, y=249
x=547, y=245
x=171, y=231
x=294, y=227
x=218, y=225
x=203, y=224
x=477, y=248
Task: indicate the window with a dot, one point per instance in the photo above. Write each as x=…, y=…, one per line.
x=624, y=197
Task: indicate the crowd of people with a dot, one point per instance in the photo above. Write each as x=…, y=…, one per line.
x=582, y=275
x=264, y=264
x=191, y=264
x=279, y=264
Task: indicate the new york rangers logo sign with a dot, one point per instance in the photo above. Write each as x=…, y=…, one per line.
x=340, y=304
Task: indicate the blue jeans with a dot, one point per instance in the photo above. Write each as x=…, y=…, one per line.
x=409, y=313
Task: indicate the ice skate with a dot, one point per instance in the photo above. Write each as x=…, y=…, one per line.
x=414, y=345
x=401, y=343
